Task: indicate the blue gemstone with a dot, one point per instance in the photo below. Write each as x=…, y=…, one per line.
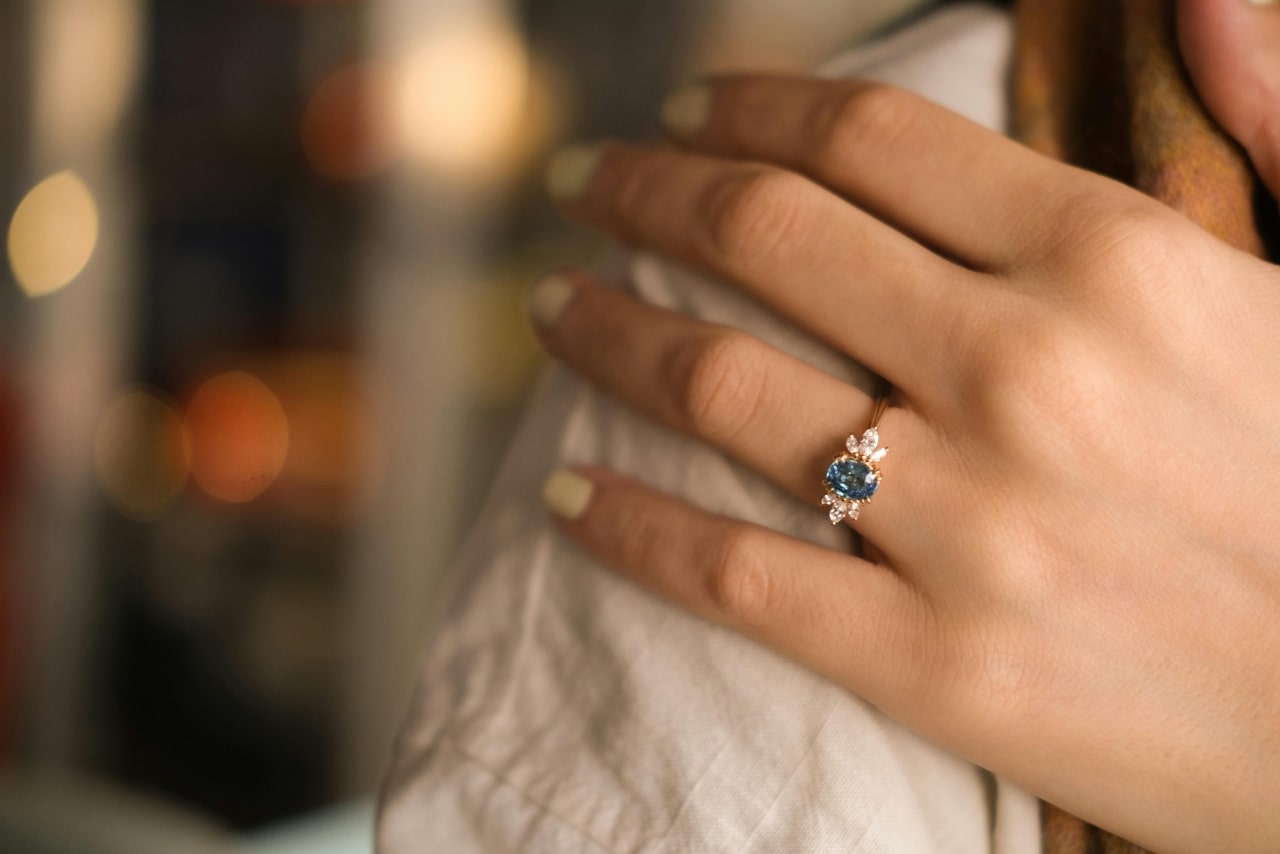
x=852, y=479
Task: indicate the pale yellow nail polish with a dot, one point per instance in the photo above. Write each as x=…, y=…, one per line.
x=548, y=298
x=567, y=493
x=570, y=172
x=685, y=112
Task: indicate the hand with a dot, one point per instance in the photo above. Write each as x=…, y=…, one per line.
x=1078, y=573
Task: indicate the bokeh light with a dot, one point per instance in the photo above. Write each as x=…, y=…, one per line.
x=53, y=234
x=239, y=437
x=141, y=454
x=86, y=67
x=458, y=97
x=338, y=134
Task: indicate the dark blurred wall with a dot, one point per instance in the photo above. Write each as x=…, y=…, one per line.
x=12, y=145
x=232, y=220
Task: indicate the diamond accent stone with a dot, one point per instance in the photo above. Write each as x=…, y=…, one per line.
x=879, y=455
x=836, y=515
x=851, y=444
x=868, y=443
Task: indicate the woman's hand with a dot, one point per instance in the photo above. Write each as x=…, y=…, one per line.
x=1078, y=530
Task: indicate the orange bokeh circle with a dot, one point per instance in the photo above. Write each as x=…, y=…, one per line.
x=239, y=436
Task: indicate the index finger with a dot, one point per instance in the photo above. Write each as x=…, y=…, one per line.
x=958, y=187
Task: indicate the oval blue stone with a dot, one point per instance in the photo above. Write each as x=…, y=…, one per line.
x=852, y=479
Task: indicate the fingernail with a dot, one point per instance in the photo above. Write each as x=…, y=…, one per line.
x=548, y=298
x=567, y=493
x=685, y=112
x=570, y=172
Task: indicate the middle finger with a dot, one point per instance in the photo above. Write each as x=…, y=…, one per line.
x=836, y=271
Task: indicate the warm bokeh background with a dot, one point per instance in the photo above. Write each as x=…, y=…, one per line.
x=261, y=346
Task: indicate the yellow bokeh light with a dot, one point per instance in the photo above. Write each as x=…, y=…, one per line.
x=85, y=68
x=239, y=436
x=53, y=234
x=141, y=454
x=459, y=96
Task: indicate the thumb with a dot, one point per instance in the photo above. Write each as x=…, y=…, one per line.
x=1232, y=49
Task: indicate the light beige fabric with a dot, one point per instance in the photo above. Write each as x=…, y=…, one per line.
x=562, y=710
x=768, y=35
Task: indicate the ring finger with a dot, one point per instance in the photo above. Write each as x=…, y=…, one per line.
x=777, y=414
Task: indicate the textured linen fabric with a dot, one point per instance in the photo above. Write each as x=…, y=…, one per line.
x=561, y=709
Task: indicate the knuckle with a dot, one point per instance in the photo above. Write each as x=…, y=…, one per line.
x=1137, y=269
x=1037, y=384
x=740, y=584
x=753, y=214
x=1118, y=245
x=853, y=117
x=1135, y=235
x=719, y=383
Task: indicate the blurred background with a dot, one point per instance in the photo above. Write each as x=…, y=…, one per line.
x=262, y=344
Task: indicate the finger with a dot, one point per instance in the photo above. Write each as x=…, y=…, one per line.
x=852, y=621
x=777, y=414
x=831, y=268
x=1232, y=50
x=951, y=183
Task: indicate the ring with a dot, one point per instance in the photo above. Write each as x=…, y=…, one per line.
x=853, y=478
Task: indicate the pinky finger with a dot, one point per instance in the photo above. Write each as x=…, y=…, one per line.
x=855, y=622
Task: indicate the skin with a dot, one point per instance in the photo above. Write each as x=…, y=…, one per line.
x=1076, y=580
